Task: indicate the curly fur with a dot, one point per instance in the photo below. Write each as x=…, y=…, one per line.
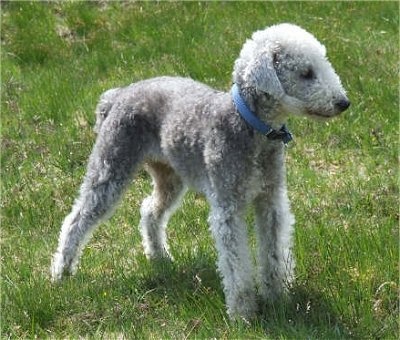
x=190, y=135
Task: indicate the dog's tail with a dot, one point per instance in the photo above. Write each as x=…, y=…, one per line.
x=106, y=102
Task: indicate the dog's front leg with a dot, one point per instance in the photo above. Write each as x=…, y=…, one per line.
x=274, y=228
x=234, y=263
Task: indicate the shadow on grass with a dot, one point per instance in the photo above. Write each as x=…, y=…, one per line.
x=196, y=285
x=306, y=311
x=90, y=304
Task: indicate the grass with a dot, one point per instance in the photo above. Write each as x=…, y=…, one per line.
x=56, y=59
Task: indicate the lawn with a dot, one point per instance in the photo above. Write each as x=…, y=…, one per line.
x=57, y=58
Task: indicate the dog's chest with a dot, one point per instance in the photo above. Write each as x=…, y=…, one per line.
x=268, y=170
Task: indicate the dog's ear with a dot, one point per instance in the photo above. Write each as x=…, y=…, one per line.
x=262, y=72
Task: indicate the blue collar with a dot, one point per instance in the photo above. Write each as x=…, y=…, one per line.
x=282, y=134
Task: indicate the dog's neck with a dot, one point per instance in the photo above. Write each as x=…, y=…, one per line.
x=265, y=107
x=249, y=115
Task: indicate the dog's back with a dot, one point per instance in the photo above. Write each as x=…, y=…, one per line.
x=191, y=123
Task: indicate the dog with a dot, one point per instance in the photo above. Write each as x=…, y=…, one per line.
x=227, y=145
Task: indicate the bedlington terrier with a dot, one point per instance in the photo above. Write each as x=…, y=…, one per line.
x=227, y=145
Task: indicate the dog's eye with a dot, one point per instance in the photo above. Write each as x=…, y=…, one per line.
x=308, y=74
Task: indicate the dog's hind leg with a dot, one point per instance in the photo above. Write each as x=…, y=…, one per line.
x=156, y=209
x=114, y=158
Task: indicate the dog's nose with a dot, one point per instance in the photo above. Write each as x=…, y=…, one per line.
x=342, y=104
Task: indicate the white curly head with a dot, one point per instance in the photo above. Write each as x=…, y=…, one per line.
x=289, y=64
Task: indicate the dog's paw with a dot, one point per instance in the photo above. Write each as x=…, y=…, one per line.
x=59, y=268
x=244, y=307
x=159, y=254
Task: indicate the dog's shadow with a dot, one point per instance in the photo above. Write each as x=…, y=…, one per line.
x=192, y=278
x=197, y=279
x=192, y=286
x=306, y=310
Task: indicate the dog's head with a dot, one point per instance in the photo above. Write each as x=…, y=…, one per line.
x=288, y=65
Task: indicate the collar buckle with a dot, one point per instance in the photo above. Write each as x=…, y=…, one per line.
x=282, y=134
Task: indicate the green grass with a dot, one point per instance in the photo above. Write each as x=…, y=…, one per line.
x=56, y=59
